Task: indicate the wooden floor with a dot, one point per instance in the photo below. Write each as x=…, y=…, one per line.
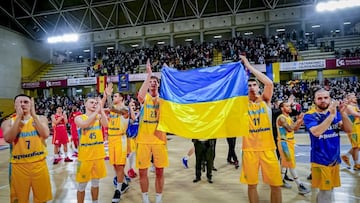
x=179, y=187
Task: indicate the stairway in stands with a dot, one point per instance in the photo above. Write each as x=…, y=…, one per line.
x=314, y=53
x=64, y=71
x=344, y=42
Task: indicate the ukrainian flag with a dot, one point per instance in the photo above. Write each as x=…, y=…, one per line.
x=205, y=103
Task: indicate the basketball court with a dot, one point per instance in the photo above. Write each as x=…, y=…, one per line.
x=179, y=187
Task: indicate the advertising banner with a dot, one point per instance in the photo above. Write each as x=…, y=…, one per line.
x=44, y=84
x=123, y=84
x=302, y=65
x=30, y=85
x=54, y=83
x=348, y=62
x=81, y=81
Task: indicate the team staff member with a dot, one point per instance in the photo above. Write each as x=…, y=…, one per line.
x=26, y=132
x=91, y=154
x=149, y=140
x=259, y=147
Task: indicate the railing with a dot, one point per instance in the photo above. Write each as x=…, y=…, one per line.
x=35, y=73
x=2, y=118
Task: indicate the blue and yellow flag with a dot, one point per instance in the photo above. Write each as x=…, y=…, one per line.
x=205, y=103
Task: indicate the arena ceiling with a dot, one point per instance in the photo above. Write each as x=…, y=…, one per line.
x=39, y=19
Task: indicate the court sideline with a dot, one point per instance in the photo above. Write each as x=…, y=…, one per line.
x=179, y=187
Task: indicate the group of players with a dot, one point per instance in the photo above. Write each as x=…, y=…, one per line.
x=26, y=132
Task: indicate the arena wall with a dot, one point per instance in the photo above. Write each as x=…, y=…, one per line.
x=14, y=46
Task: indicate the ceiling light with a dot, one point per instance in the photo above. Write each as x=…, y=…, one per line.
x=336, y=5
x=63, y=38
x=110, y=48
x=315, y=26
x=161, y=42
x=217, y=36
x=347, y=23
x=86, y=50
x=188, y=40
x=134, y=45
x=280, y=30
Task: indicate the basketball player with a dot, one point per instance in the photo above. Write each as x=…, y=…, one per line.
x=149, y=140
x=118, y=123
x=132, y=132
x=59, y=121
x=73, y=129
x=259, y=147
x=26, y=132
x=286, y=144
x=91, y=151
x=324, y=123
x=354, y=115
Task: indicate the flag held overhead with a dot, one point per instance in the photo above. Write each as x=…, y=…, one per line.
x=205, y=103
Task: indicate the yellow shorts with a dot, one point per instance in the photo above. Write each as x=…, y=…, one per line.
x=287, y=155
x=325, y=177
x=117, y=150
x=131, y=143
x=354, y=140
x=24, y=176
x=267, y=161
x=144, y=152
x=90, y=169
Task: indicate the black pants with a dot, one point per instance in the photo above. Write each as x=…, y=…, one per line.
x=204, y=152
x=231, y=152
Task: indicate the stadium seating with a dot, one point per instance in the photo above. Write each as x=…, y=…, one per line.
x=65, y=70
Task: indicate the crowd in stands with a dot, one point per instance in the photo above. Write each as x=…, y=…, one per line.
x=257, y=49
x=302, y=91
x=47, y=106
x=353, y=52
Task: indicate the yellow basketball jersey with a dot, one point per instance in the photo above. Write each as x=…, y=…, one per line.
x=28, y=146
x=149, y=118
x=91, y=141
x=260, y=129
x=355, y=121
x=283, y=134
x=117, y=124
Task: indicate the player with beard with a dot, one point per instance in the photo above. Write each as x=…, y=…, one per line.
x=286, y=143
x=324, y=123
